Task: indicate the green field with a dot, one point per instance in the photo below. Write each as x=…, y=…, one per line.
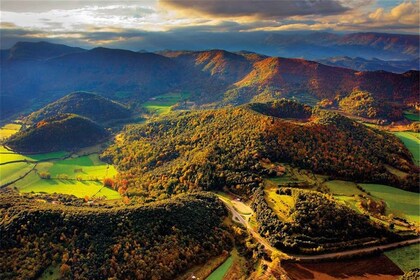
x=84, y=167
x=8, y=156
x=89, y=170
x=399, y=202
x=220, y=272
x=412, y=116
x=406, y=258
x=11, y=172
x=162, y=104
x=412, y=142
x=345, y=188
x=33, y=183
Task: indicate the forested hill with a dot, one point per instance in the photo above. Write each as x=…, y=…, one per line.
x=85, y=104
x=216, y=148
x=154, y=241
x=61, y=132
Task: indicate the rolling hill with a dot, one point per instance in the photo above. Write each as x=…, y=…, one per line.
x=85, y=104
x=61, y=132
x=213, y=149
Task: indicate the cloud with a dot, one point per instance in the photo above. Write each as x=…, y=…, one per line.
x=405, y=13
x=257, y=8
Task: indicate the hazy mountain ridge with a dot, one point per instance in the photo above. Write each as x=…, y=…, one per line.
x=212, y=76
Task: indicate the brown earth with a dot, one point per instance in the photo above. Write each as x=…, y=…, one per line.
x=370, y=268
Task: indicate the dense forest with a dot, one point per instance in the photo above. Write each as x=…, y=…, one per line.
x=316, y=223
x=213, y=149
x=154, y=241
x=61, y=132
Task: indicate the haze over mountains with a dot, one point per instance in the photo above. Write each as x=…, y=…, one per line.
x=34, y=74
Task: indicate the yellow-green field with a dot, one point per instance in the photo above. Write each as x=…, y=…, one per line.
x=8, y=156
x=162, y=104
x=33, y=183
x=281, y=204
x=8, y=130
x=346, y=188
x=399, y=202
x=78, y=175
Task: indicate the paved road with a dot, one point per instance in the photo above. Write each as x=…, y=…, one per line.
x=238, y=218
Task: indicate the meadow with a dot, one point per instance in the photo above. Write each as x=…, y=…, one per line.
x=162, y=104
x=79, y=175
x=399, y=202
x=406, y=257
x=412, y=141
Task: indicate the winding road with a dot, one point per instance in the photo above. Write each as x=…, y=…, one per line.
x=236, y=217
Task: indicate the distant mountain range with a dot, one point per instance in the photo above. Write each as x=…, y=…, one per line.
x=34, y=74
x=362, y=64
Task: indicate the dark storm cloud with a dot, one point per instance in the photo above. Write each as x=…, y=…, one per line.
x=259, y=8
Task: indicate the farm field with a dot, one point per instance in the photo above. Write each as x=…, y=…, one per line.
x=33, y=183
x=346, y=188
x=370, y=268
x=84, y=167
x=88, y=169
x=162, y=104
x=398, y=201
x=8, y=156
x=8, y=130
x=12, y=171
x=412, y=141
x=220, y=272
x=406, y=257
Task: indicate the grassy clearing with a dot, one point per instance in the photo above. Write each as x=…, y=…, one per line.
x=346, y=188
x=281, y=204
x=349, y=201
x=398, y=201
x=412, y=116
x=51, y=273
x=162, y=104
x=396, y=172
x=412, y=142
x=221, y=271
x=406, y=257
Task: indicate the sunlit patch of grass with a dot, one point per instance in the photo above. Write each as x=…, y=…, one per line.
x=397, y=200
x=162, y=104
x=412, y=142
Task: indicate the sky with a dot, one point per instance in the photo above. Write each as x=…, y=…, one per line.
x=164, y=24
